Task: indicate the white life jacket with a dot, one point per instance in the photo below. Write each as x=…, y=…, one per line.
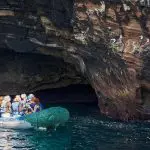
x=3, y=106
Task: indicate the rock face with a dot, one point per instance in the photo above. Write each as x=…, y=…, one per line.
x=106, y=42
x=29, y=72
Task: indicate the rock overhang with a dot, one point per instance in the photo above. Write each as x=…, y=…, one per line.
x=100, y=38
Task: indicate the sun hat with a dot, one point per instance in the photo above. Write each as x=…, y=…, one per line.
x=23, y=95
x=17, y=98
x=7, y=98
x=30, y=96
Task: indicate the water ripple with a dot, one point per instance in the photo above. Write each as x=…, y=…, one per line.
x=84, y=131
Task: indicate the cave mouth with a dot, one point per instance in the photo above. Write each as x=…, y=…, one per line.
x=73, y=94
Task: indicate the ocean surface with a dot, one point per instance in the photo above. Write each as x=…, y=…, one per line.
x=86, y=130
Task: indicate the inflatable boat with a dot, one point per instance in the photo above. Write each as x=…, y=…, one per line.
x=51, y=117
x=13, y=123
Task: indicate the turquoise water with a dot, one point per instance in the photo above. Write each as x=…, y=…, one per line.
x=86, y=130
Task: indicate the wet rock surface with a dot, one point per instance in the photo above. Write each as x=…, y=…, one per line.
x=106, y=42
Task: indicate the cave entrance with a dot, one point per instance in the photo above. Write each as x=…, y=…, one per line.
x=80, y=93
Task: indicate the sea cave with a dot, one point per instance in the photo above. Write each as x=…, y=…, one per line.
x=90, y=57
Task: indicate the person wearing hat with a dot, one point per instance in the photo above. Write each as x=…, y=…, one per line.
x=33, y=106
x=6, y=106
x=15, y=105
x=24, y=97
x=30, y=96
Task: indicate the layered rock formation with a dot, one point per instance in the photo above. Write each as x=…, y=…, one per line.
x=106, y=42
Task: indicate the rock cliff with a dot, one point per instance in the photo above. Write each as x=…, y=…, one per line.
x=49, y=44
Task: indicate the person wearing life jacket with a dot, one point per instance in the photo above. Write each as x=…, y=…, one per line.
x=1, y=100
x=23, y=98
x=28, y=109
x=22, y=104
x=29, y=98
x=34, y=105
x=6, y=106
x=15, y=105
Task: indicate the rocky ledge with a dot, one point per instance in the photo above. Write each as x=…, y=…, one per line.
x=48, y=44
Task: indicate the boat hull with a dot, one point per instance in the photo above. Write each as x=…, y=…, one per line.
x=51, y=117
x=12, y=123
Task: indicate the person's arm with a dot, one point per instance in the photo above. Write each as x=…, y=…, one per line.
x=35, y=108
x=29, y=107
x=8, y=108
x=20, y=108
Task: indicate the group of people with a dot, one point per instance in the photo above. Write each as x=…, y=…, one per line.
x=20, y=105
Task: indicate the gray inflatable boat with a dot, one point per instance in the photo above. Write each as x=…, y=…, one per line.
x=51, y=117
x=14, y=123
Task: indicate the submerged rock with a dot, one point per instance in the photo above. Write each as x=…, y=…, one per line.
x=106, y=42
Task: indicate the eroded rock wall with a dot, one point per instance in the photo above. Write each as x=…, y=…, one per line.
x=118, y=32
x=22, y=73
x=106, y=41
